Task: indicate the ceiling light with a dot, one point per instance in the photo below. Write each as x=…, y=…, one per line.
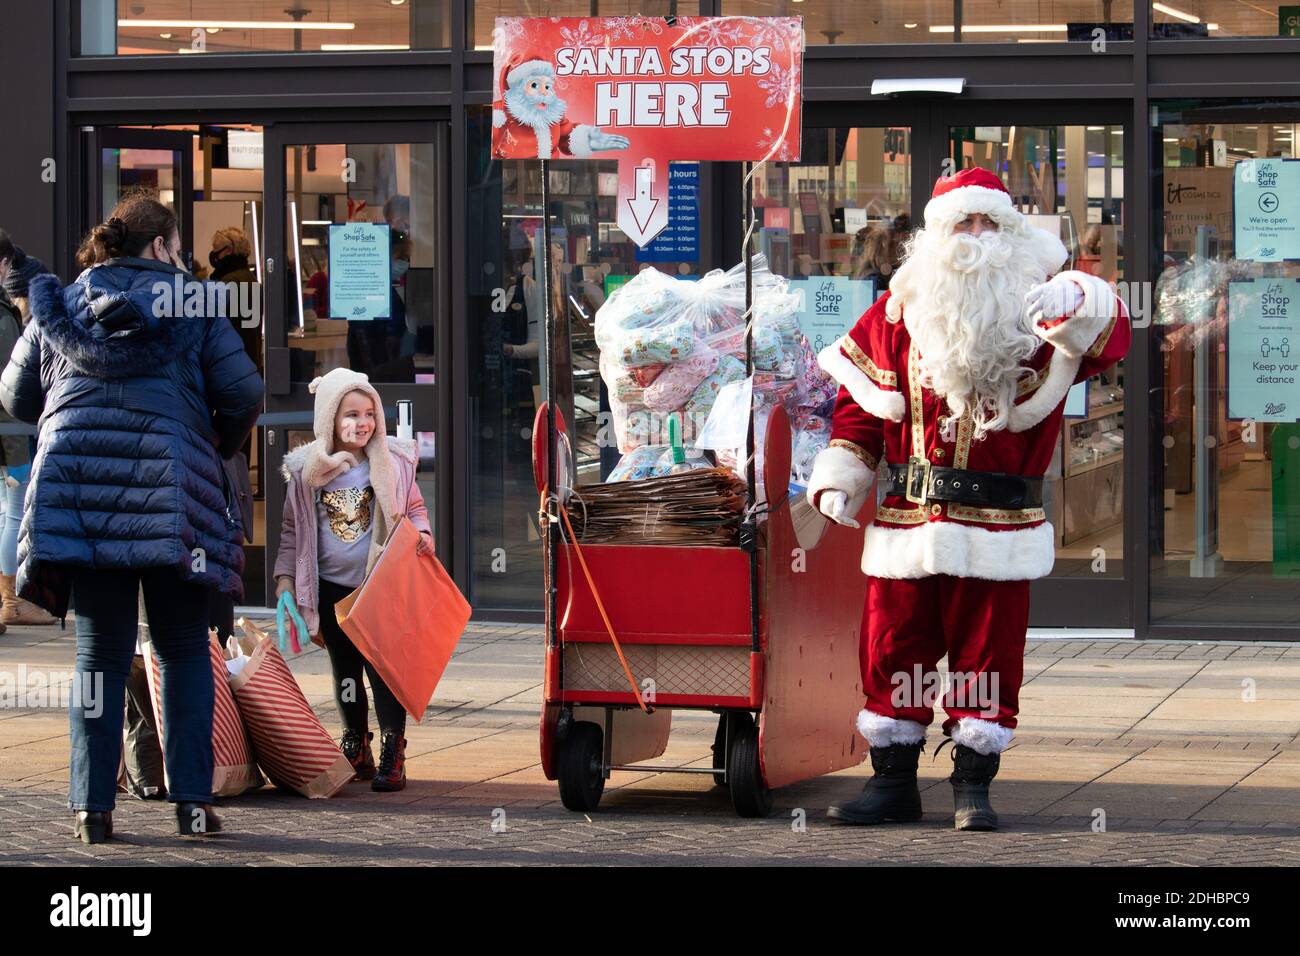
x=235, y=25
x=909, y=26
x=337, y=47
x=1095, y=129
x=1177, y=14
x=1005, y=28
x=164, y=36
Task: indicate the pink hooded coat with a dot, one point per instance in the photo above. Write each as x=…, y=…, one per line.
x=310, y=467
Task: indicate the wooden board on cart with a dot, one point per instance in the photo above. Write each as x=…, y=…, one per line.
x=812, y=690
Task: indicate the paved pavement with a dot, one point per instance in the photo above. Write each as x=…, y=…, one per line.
x=1128, y=753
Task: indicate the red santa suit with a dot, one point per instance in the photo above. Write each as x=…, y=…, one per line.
x=947, y=577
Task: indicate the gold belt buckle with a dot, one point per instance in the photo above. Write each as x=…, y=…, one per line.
x=917, y=467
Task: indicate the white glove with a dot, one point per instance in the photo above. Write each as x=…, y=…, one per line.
x=602, y=141
x=1055, y=299
x=835, y=505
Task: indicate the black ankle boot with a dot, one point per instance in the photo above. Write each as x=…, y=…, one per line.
x=391, y=775
x=356, y=747
x=93, y=826
x=196, y=819
x=971, y=775
x=891, y=795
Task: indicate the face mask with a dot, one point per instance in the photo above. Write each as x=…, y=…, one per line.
x=214, y=258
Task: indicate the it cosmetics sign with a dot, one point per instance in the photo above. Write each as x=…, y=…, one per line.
x=644, y=92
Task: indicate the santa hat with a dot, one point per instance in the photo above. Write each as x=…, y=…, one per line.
x=325, y=463
x=516, y=69
x=980, y=191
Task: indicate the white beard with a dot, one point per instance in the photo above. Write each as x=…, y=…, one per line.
x=962, y=300
x=541, y=114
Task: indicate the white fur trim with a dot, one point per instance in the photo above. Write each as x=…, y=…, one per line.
x=874, y=400
x=962, y=550
x=1048, y=249
x=543, y=133
x=530, y=68
x=498, y=118
x=881, y=731
x=1061, y=370
x=967, y=200
x=580, y=140
x=982, y=736
x=838, y=469
x=1079, y=331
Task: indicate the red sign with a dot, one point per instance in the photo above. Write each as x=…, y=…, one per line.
x=640, y=91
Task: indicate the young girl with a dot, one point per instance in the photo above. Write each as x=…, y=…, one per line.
x=347, y=488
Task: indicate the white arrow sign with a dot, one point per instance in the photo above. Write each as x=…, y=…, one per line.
x=643, y=215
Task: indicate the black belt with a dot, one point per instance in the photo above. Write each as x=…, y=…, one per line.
x=920, y=482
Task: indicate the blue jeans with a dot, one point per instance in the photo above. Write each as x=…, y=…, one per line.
x=105, y=603
x=9, y=534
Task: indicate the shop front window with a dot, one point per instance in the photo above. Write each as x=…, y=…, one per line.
x=1069, y=180
x=590, y=258
x=842, y=211
x=1226, y=525
x=481, y=14
x=946, y=21
x=1200, y=19
x=127, y=28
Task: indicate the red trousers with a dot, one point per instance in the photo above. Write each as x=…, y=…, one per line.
x=908, y=625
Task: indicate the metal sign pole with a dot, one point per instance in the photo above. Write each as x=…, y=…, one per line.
x=552, y=467
x=749, y=524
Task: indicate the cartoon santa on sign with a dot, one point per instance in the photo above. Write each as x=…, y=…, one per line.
x=530, y=115
x=952, y=393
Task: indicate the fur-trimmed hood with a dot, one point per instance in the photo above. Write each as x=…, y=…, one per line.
x=294, y=460
x=106, y=323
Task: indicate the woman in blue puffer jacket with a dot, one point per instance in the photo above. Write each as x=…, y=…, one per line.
x=139, y=390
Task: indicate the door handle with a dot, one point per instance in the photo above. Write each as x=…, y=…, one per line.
x=270, y=265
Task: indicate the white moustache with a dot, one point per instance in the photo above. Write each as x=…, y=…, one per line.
x=966, y=253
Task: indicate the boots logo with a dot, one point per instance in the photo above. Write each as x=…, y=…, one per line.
x=77, y=909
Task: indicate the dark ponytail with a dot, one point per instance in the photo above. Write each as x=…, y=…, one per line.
x=131, y=227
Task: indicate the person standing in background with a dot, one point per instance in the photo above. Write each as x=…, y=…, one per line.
x=17, y=269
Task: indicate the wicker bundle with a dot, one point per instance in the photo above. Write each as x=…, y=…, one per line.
x=698, y=507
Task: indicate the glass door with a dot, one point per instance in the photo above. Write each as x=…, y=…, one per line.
x=1068, y=178
x=356, y=277
x=124, y=159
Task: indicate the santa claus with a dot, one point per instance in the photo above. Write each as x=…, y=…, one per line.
x=952, y=390
x=528, y=118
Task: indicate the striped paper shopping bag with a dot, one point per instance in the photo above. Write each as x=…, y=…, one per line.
x=293, y=748
x=233, y=769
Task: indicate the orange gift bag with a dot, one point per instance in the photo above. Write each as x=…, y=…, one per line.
x=293, y=748
x=406, y=618
x=233, y=768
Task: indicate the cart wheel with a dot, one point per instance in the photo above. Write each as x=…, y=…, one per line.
x=749, y=794
x=720, y=752
x=578, y=765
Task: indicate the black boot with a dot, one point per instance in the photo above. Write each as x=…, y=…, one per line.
x=972, y=773
x=392, y=765
x=93, y=826
x=356, y=747
x=196, y=819
x=891, y=795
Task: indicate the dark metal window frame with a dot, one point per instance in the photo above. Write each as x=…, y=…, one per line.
x=1012, y=80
